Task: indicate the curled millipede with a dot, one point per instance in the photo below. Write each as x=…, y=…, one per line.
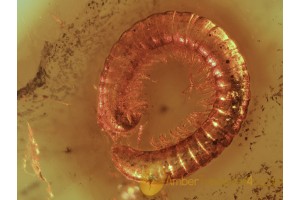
x=191, y=39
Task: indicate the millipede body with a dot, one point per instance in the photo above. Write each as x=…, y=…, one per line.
x=192, y=40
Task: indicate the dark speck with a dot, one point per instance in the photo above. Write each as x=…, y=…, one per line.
x=215, y=142
x=235, y=197
x=68, y=150
x=163, y=109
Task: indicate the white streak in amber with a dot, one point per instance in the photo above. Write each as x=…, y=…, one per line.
x=221, y=111
x=203, y=51
x=228, y=119
x=181, y=40
x=181, y=163
x=242, y=112
x=33, y=153
x=202, y=147
x=136, y=174
x=222, y=98
x=188, y=26
x=209, y=136
x=61, y=102
x=215, y=124
x=221, y=84
x=192, y=155
x=173, y=18
x=217, y=73
x=212, y=62
x=231, y=45
x=170, y=167
x=155, y=40
x=161, y=172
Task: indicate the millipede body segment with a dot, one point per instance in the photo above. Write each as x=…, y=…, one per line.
x=190, y=39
